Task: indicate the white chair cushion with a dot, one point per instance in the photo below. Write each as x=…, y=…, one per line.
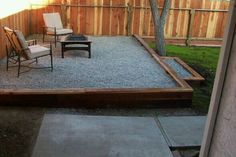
x=60, y=31
x=22, y=40
x=38, y=51
x=21, y=44
x=52, y=20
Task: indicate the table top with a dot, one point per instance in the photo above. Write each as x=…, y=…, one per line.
x=74, y=38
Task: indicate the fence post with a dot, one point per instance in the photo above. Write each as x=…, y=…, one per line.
x=129, y=19
x=190, y=26
x=64, y=12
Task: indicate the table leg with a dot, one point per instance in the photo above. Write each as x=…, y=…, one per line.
x=62, y=50
x=89, y=50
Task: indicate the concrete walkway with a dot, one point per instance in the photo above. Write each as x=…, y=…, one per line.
x=101, y=136
x=184, y=131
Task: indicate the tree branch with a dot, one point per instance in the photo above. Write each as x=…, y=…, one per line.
x=155, y=12
x=159, y=23
x=165, y=11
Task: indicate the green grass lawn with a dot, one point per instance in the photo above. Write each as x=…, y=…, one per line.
x=204, y=60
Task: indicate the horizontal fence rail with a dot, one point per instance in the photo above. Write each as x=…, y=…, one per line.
x=135, y=7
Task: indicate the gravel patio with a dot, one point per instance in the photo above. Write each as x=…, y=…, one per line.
x=116, y=62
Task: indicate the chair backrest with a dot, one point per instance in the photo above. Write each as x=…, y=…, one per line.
x=22, y=44
x=9, y=33
x=18, y=42
x=52, y=20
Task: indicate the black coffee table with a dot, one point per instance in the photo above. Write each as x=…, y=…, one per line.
x=73, y=42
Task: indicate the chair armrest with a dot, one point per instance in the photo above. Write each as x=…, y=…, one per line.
x=47, y=45
x=45, y=28
x=48, y=27
x=31, y=42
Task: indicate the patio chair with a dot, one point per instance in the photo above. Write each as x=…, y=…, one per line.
x=53, y=26
x=22, y=50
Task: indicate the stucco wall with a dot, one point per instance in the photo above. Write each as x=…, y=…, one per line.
x=224, y=137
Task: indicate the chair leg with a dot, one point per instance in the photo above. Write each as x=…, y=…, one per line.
x=7, y=53
x=51, y=63
x=19, y=64
x=55, y=40
x=51, y=57
x=43, y=36
x=7, y=62
x=55, y=36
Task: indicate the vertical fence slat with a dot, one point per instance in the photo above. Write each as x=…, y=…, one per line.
x=106, y=18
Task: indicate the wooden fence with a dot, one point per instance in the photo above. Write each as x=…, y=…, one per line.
x=187, y=18
x=16, y=21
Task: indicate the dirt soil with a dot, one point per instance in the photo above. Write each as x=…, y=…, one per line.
x=19, y=126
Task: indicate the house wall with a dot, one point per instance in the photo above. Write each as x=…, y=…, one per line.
x=224, y=137
x=220, y=133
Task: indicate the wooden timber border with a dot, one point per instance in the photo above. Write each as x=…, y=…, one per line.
x=195, y=79
x=105, y=97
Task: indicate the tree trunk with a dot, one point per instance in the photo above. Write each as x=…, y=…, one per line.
x=159, y=25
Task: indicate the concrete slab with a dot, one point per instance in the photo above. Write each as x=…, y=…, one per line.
x=186, y=131
x=99, y=136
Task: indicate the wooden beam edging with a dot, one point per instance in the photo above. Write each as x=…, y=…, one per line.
x=184, y=38
x=195, y=75
x=68, y=91
x=165, y=66
x=79, y=97
x=145, y=45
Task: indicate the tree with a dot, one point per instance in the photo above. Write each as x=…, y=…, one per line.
x=159, y=24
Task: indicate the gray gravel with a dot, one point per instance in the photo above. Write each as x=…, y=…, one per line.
x=180, y=70
x=117, y=62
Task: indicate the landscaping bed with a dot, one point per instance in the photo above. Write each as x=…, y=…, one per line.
x=204, y=60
